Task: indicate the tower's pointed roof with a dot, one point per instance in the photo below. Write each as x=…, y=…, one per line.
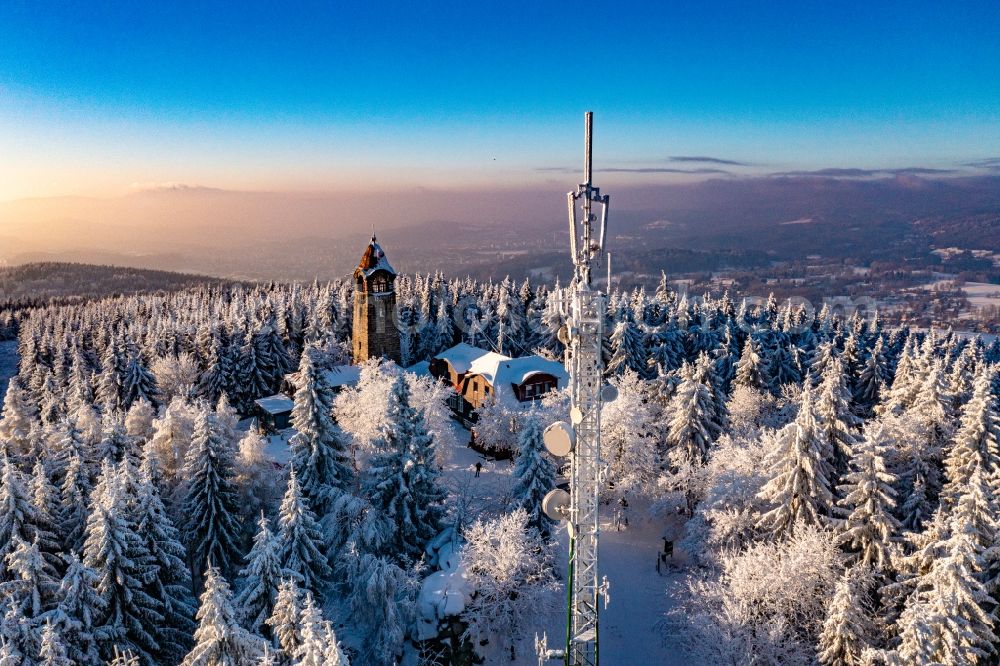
x=374, y=260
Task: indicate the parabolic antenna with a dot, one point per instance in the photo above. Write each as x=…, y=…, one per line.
x=609, y=393
x=556, y=504
x=563, y=335
x=558, y=439
x=576, y=415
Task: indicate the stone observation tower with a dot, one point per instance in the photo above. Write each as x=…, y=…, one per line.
x=375, y=333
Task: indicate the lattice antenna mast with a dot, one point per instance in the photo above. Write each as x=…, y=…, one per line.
x=581, y=441
x=584, y=247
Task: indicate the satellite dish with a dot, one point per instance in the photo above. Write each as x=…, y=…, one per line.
x=576, y=416
x=558, y=439
x=556, y=504
x=563, y=334
x=609, y=393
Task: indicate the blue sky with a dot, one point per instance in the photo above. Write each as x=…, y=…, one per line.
x=95, y=97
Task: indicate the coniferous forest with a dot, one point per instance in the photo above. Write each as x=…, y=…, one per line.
x=837, y=481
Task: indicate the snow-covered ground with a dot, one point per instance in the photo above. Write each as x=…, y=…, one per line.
x=632, y=627
x=982, y=294
x=8, y=365
x=979, y=294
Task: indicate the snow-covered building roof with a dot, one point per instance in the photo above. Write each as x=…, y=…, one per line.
x=343, y=375
x=422, y=369
x=503, y=373
x=499, y=369
x=500, y=372
x=462, y=356
x=278, y=403
x=374, y=260
x=337, y=377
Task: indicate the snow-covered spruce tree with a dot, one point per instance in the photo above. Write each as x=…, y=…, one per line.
x=666, y=349
x=822, y=356
x=18, y=516
x=171, y=584
x=210, y=513
x=138, y=383
x=534, y=475
x=215, y=379
x=319, y=644
x=251, y=380
x=109, y=381
x=931, y=408
x=52, y=650
x=285, y=618
x=916, y=466
x=275, y=359
x=799, y=486
x=219, y=639
x=868, y=503
x=750, y=367
x=74, y=496
x=32, y=582
x=627, y=350
x=115, y=443
x=443, y=333
x=402, y=480
x=19, y=416
x=946, y=619
x=79, y=612
x=319, y=449
x=783, y=367
x=848, y=629
x=300, y=540
x=9, y=656
x=45, y=501
x=260, y=579
x=50, y=402
x=836, y=422
x=960, y=376
x=334, y=655
x=18, y=632
x=123, y=568
x=67, y=440
x=690, y=424
x=874, y=379
x=977, y=442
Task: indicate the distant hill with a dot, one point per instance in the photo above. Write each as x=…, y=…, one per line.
x=31, y=284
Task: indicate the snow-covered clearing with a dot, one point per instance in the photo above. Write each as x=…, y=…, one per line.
x=632, y=627
x=982, y=294
x=979, y=294
x=8, y=365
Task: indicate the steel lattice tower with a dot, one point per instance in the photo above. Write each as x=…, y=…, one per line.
x=583, y=336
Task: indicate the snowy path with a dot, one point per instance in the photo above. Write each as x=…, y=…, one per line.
x=8, y=365
x=632, y=631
